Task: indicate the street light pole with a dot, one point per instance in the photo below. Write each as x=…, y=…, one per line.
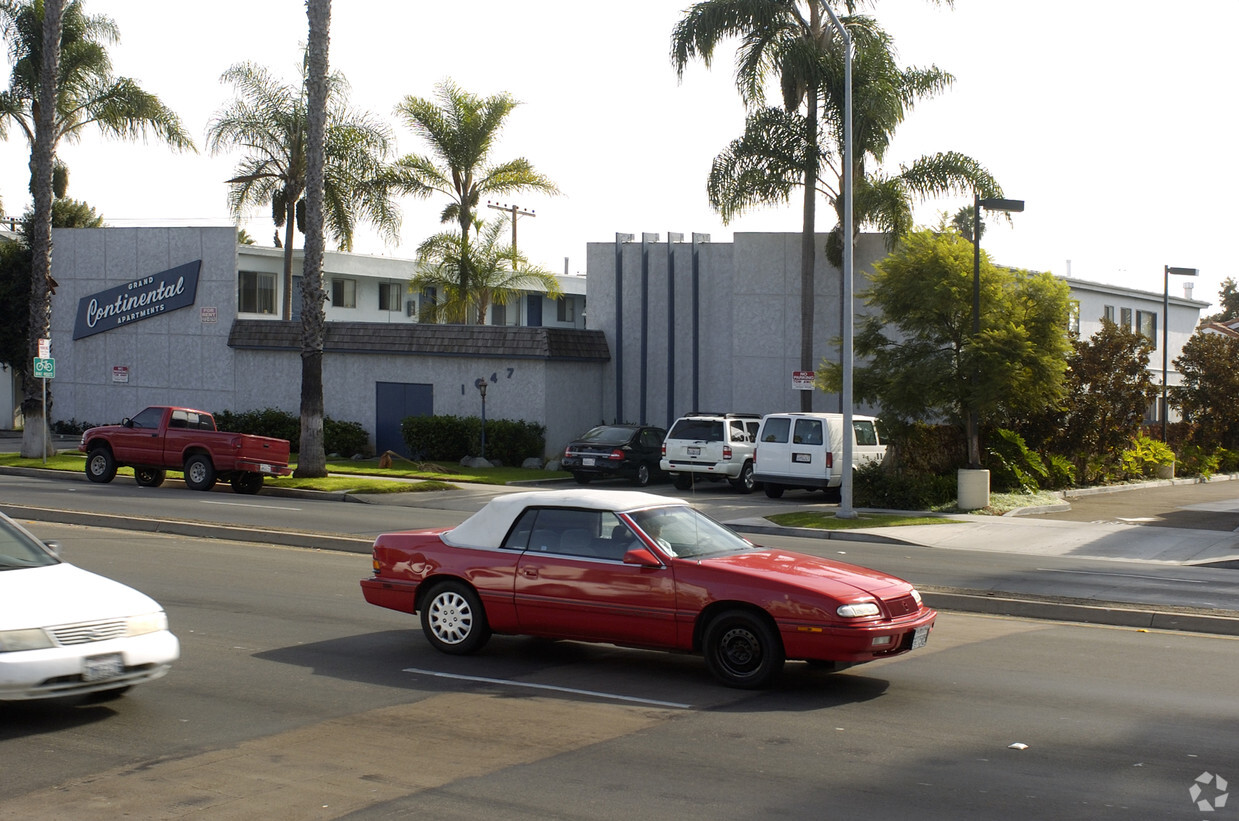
x=1183, y=272
x=480, y=384
x=846, y=511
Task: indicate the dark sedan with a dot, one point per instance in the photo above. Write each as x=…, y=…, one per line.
x=610, y=451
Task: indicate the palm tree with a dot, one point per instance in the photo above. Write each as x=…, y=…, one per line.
x=55, y=38
x=462, y=129
x=794, y=43
x=311, y=456
x=268, y=120
x=498, y=273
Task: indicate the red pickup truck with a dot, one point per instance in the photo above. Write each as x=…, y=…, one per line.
x=162, y=438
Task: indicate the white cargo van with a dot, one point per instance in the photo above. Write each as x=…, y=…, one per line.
x=804, y=450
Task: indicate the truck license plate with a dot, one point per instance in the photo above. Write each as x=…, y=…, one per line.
x=98, y=668
x=266, y=469
x=921, y=637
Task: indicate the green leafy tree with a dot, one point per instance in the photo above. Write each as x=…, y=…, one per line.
x=70, y=213
x=461, y=130
x=498, y=274
x=312, y=455
x=268, y=121
x=56, y=39
x=1210, y=383
x=1229, y=297
x=801, y=145
x=921, y=360
x=964, y=223
x=1108, y=389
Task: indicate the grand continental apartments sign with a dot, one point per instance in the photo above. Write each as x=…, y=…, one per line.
x=143, y=298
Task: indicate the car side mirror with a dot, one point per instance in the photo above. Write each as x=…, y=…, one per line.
x=126, y=422
x=641, y=556
x=53, y=548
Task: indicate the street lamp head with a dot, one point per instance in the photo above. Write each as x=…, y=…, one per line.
x=480, y=384
x=999, y=204
x=1182, y=272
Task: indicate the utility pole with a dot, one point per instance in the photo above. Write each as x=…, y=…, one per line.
x=515, y=211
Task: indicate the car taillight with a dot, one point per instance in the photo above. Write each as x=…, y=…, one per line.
x=616, y=454
x=726, y=452
x=567, y=451
x=664, y=450
x=830, y=459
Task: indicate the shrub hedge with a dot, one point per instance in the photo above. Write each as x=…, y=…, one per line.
x=451, y=438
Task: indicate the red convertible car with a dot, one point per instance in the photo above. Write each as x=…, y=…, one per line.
x=641, y=570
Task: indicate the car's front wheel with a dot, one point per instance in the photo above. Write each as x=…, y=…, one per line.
x=100, y=465
x=246, y=482
x=149, y=477
x=742, y=650
x=745, y=481
x=453, y=619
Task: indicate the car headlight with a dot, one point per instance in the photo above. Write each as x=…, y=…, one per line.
x=12, y=641
x=858, y=610
x=146, y=623
x=916, y=597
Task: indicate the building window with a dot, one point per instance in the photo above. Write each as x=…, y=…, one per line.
x=255, y=293
x=1108, y=313
x=564, y=309
x=498, y=314
x=1073, y=317
x=391, y=296
x=1125, y=318
x=1146, y=325
x=344, y=293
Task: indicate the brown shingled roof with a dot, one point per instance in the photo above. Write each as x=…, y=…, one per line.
x=426, y=339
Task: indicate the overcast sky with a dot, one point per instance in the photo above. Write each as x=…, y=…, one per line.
x=1114, y=121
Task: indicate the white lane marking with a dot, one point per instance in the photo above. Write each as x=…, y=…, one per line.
x=1122, y=575
x=573, y=690
x=250, y=504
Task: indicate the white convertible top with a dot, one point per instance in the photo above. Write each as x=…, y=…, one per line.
x=488, y=526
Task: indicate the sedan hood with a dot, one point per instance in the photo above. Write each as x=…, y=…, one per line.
x=64, y=594
x=835, y=579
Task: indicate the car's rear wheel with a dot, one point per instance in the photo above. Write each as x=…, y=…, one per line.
x=745, y=481
x=774, y=491
x=199, y=472
x=642, y=478
x=742, y=650
x=453, y=619
x=149, y=477
x=581, y=478
x=248, y=483
x=683, y=481
x=100, y=465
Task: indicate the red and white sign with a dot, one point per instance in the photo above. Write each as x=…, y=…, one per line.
x=45, y=348
x=120, y=373
x=802, y=380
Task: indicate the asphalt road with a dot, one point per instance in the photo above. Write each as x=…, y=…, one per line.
x=1212, y=506
x=296, y=700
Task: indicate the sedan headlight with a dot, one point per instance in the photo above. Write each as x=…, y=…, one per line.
x=916, y=597
x=147, y=623
x=12, y=641
x=858, y=610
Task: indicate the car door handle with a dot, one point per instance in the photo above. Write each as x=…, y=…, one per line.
x=529, y=572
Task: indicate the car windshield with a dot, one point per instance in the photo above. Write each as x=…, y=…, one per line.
x=686, y=533
x=18, y=549
x=607, y=435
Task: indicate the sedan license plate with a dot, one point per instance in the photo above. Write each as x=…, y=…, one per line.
x=694, y=451
x=99, y=668
x=921, y=637
x=587, y=461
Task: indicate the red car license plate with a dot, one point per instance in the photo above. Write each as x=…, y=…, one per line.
x=266, y=468
x=921, y=637
x=98, y=668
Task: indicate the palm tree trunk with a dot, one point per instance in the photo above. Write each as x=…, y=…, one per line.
x=34, y=438
x=808, y=247
x=312, y=458
x=290, y=233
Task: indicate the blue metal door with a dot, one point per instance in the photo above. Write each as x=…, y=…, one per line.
x=535, y=310
x=393, y=401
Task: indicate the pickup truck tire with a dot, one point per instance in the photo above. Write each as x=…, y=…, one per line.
x=100, y=465
x=247, y=482
x=149, y=477
x=199, y=472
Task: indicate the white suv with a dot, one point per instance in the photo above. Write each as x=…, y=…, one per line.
x=714, y=446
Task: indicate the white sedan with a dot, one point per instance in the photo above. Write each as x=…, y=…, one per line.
x=67, y=632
